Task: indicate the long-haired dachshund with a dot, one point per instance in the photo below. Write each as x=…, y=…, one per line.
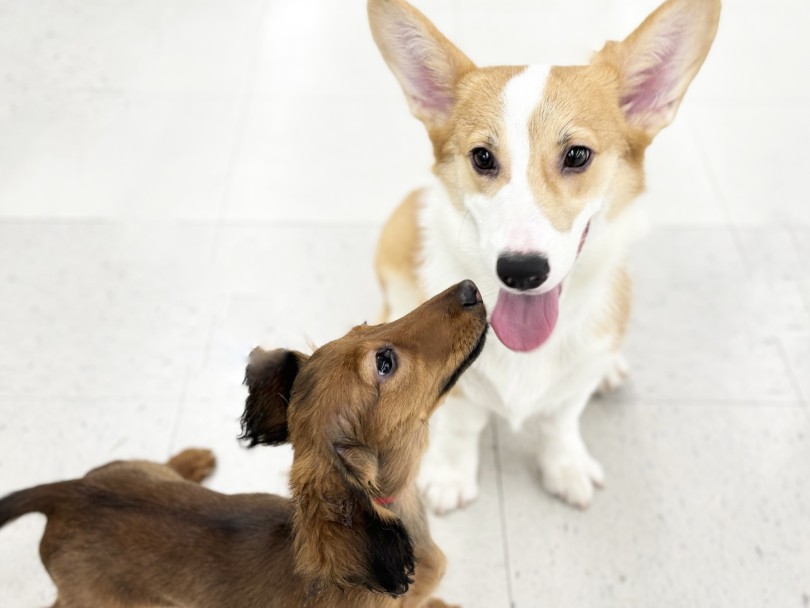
x=141, y=534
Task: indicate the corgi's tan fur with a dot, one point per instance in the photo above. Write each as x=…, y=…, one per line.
x=535, y=169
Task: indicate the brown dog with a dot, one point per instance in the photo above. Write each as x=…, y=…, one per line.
x=354, y=534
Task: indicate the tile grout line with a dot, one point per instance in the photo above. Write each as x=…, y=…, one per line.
x=209, y=340
x=794, y=380
x=794, y=240
x=233, y=157
x=691, y=401
x=245, y=106
x=731, y=224
x=178, y=418
x=502, y=511
x=212, y=328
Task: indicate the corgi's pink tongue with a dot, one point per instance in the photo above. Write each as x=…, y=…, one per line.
x=524, y=322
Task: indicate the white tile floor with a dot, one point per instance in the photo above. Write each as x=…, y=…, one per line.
x=182, y=180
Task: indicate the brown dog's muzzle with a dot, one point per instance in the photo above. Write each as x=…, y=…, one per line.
x=469, y=294
x=448, y=330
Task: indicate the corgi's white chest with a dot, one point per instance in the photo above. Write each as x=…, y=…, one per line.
x=519, y=385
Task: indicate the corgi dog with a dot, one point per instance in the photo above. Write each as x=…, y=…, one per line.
x=536, y=168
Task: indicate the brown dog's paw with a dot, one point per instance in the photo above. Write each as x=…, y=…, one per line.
x=437, y=603
x=193, y=464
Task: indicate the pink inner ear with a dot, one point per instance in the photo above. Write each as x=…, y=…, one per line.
x=651, y=90
x=427, y=86
x=428, y=92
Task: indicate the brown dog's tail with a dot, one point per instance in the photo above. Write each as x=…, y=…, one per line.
x=39, y=499
x=194, y=464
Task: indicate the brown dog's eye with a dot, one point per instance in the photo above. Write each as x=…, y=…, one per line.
x=483, y=161
x=385, y=362
x=577, y=157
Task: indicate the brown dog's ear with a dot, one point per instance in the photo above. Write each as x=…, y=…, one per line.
x=389, y=550
x=360, y=467
x=347, y=540
x=269, y=377
x=342, y=536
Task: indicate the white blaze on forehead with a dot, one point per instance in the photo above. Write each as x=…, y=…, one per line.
x=521, y=227
x=521, y=96
x=511, y=220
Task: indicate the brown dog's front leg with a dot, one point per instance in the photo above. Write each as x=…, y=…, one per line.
x=430, y=566
x=437, y=603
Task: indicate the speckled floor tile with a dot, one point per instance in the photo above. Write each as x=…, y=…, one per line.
x=49, y=439
x=473, y=541
x=754, y=197
x=261, y=144
x=82, y=317
x=703, y=505
x=702, y=327
x=214, y=424
x=796, y=348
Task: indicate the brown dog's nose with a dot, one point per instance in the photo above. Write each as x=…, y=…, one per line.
x=470, y=296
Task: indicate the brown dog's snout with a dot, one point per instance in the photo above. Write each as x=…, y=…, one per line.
x=447, y=323
x=470, y=296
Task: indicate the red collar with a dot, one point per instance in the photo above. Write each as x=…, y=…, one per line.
x=384, y=501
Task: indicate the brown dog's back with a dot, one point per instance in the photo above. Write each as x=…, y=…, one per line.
x=155, y=535
x=39, y=499
x=165, y=540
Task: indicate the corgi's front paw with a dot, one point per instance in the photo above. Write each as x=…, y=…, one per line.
x=447, y=488
x=573, y=478
x=615, y=375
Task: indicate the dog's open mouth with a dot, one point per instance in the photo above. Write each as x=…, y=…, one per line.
x=476, y=350
x=523, y=321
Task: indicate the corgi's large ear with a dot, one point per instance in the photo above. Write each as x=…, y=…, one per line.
x=656, y=63
x=269, y=377
x=426, y=64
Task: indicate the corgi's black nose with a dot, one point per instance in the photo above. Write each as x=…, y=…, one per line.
x=522, y=272
x=470, y=296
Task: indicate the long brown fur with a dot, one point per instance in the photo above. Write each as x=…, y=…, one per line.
x=138, y=534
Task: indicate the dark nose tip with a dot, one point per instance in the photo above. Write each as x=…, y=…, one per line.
x=470, y=296
x=522, y=271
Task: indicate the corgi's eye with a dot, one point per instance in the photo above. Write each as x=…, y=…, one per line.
x=385, y=362
x=483, y=161
x=577, y=157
